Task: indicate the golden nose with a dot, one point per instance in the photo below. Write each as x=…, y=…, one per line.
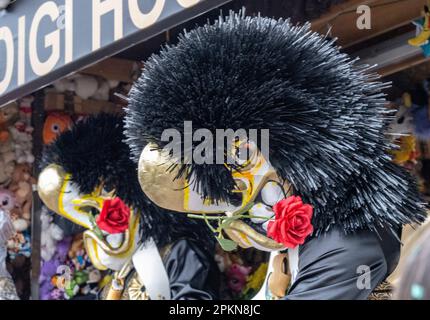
x=157, y=179
x=49, y=185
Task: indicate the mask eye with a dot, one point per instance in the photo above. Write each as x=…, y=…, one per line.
x=245, y=153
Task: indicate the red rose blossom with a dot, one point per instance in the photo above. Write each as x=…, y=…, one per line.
x=292, y=222
x=114, y=216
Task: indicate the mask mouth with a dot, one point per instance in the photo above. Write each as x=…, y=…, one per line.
x=259, y=227
x=61, y=195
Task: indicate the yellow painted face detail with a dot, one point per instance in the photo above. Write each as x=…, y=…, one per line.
x=103, y=256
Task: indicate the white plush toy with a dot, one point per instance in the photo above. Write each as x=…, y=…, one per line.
x=51, y=234
x=5, y=3
x=86, y=87
x=23, y=139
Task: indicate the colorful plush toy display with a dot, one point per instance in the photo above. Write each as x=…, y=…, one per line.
x=55, y=124
x=16, y=186
x=68, y=273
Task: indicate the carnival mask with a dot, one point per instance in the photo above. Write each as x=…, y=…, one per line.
x=113, y=228
x=257, y=183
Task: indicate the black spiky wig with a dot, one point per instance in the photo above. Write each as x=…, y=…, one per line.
x=93, y=151
x=325, y=114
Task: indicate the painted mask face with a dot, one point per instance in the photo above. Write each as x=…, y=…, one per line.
x=258, y=187
x=107, y=250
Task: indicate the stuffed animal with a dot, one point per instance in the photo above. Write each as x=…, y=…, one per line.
x=7, y=287
x=50, y=235
x=15, y=243
x=5, y=3
x=76, y=247
x=23, y=140
x=94, y=278
x=7, y=161
x=424, y=34
x=8, y=115
x=55, y=124
x=87, y=87
x=402, y=123
x=48, y=289
x=407, y=150
x=8, y=202
x=22, y=187
x=25, y=109
x=237, y=276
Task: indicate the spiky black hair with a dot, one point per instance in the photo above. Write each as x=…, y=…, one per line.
x=325, y=114
x=93, y=151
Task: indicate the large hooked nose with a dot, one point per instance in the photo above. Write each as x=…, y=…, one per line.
x=158, y=178
x=49, y=185
x=59, y=194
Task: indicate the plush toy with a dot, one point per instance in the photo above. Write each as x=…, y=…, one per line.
x=237, y=276
x=424, y=34
x=23, y=140
x=50, y=235
x=49, y=269
x=7, y=287
x=25, y=109
x=15, y=244
x=403, y=122
x=94, y=278
x=407, y=150
x=21, y=186
x=8, y=202
x=86, y=86
x=7, y=161
x=55, y=124
x=76, y=247
x=8, y=115
x=5, y=3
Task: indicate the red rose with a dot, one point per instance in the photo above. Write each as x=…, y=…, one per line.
x=292, y=222
x=114, y=216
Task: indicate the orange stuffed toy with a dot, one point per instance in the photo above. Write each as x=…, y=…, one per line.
x=55, y=124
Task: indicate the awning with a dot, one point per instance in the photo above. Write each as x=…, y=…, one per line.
x=42, y=41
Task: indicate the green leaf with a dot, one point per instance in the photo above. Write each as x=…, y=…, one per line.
x=226, y=244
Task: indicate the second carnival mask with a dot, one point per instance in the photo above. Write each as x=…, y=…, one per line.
x=87, y=178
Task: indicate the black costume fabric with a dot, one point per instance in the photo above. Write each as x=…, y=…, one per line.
x=328, y=270
x=326, y=117
x=193, y=274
